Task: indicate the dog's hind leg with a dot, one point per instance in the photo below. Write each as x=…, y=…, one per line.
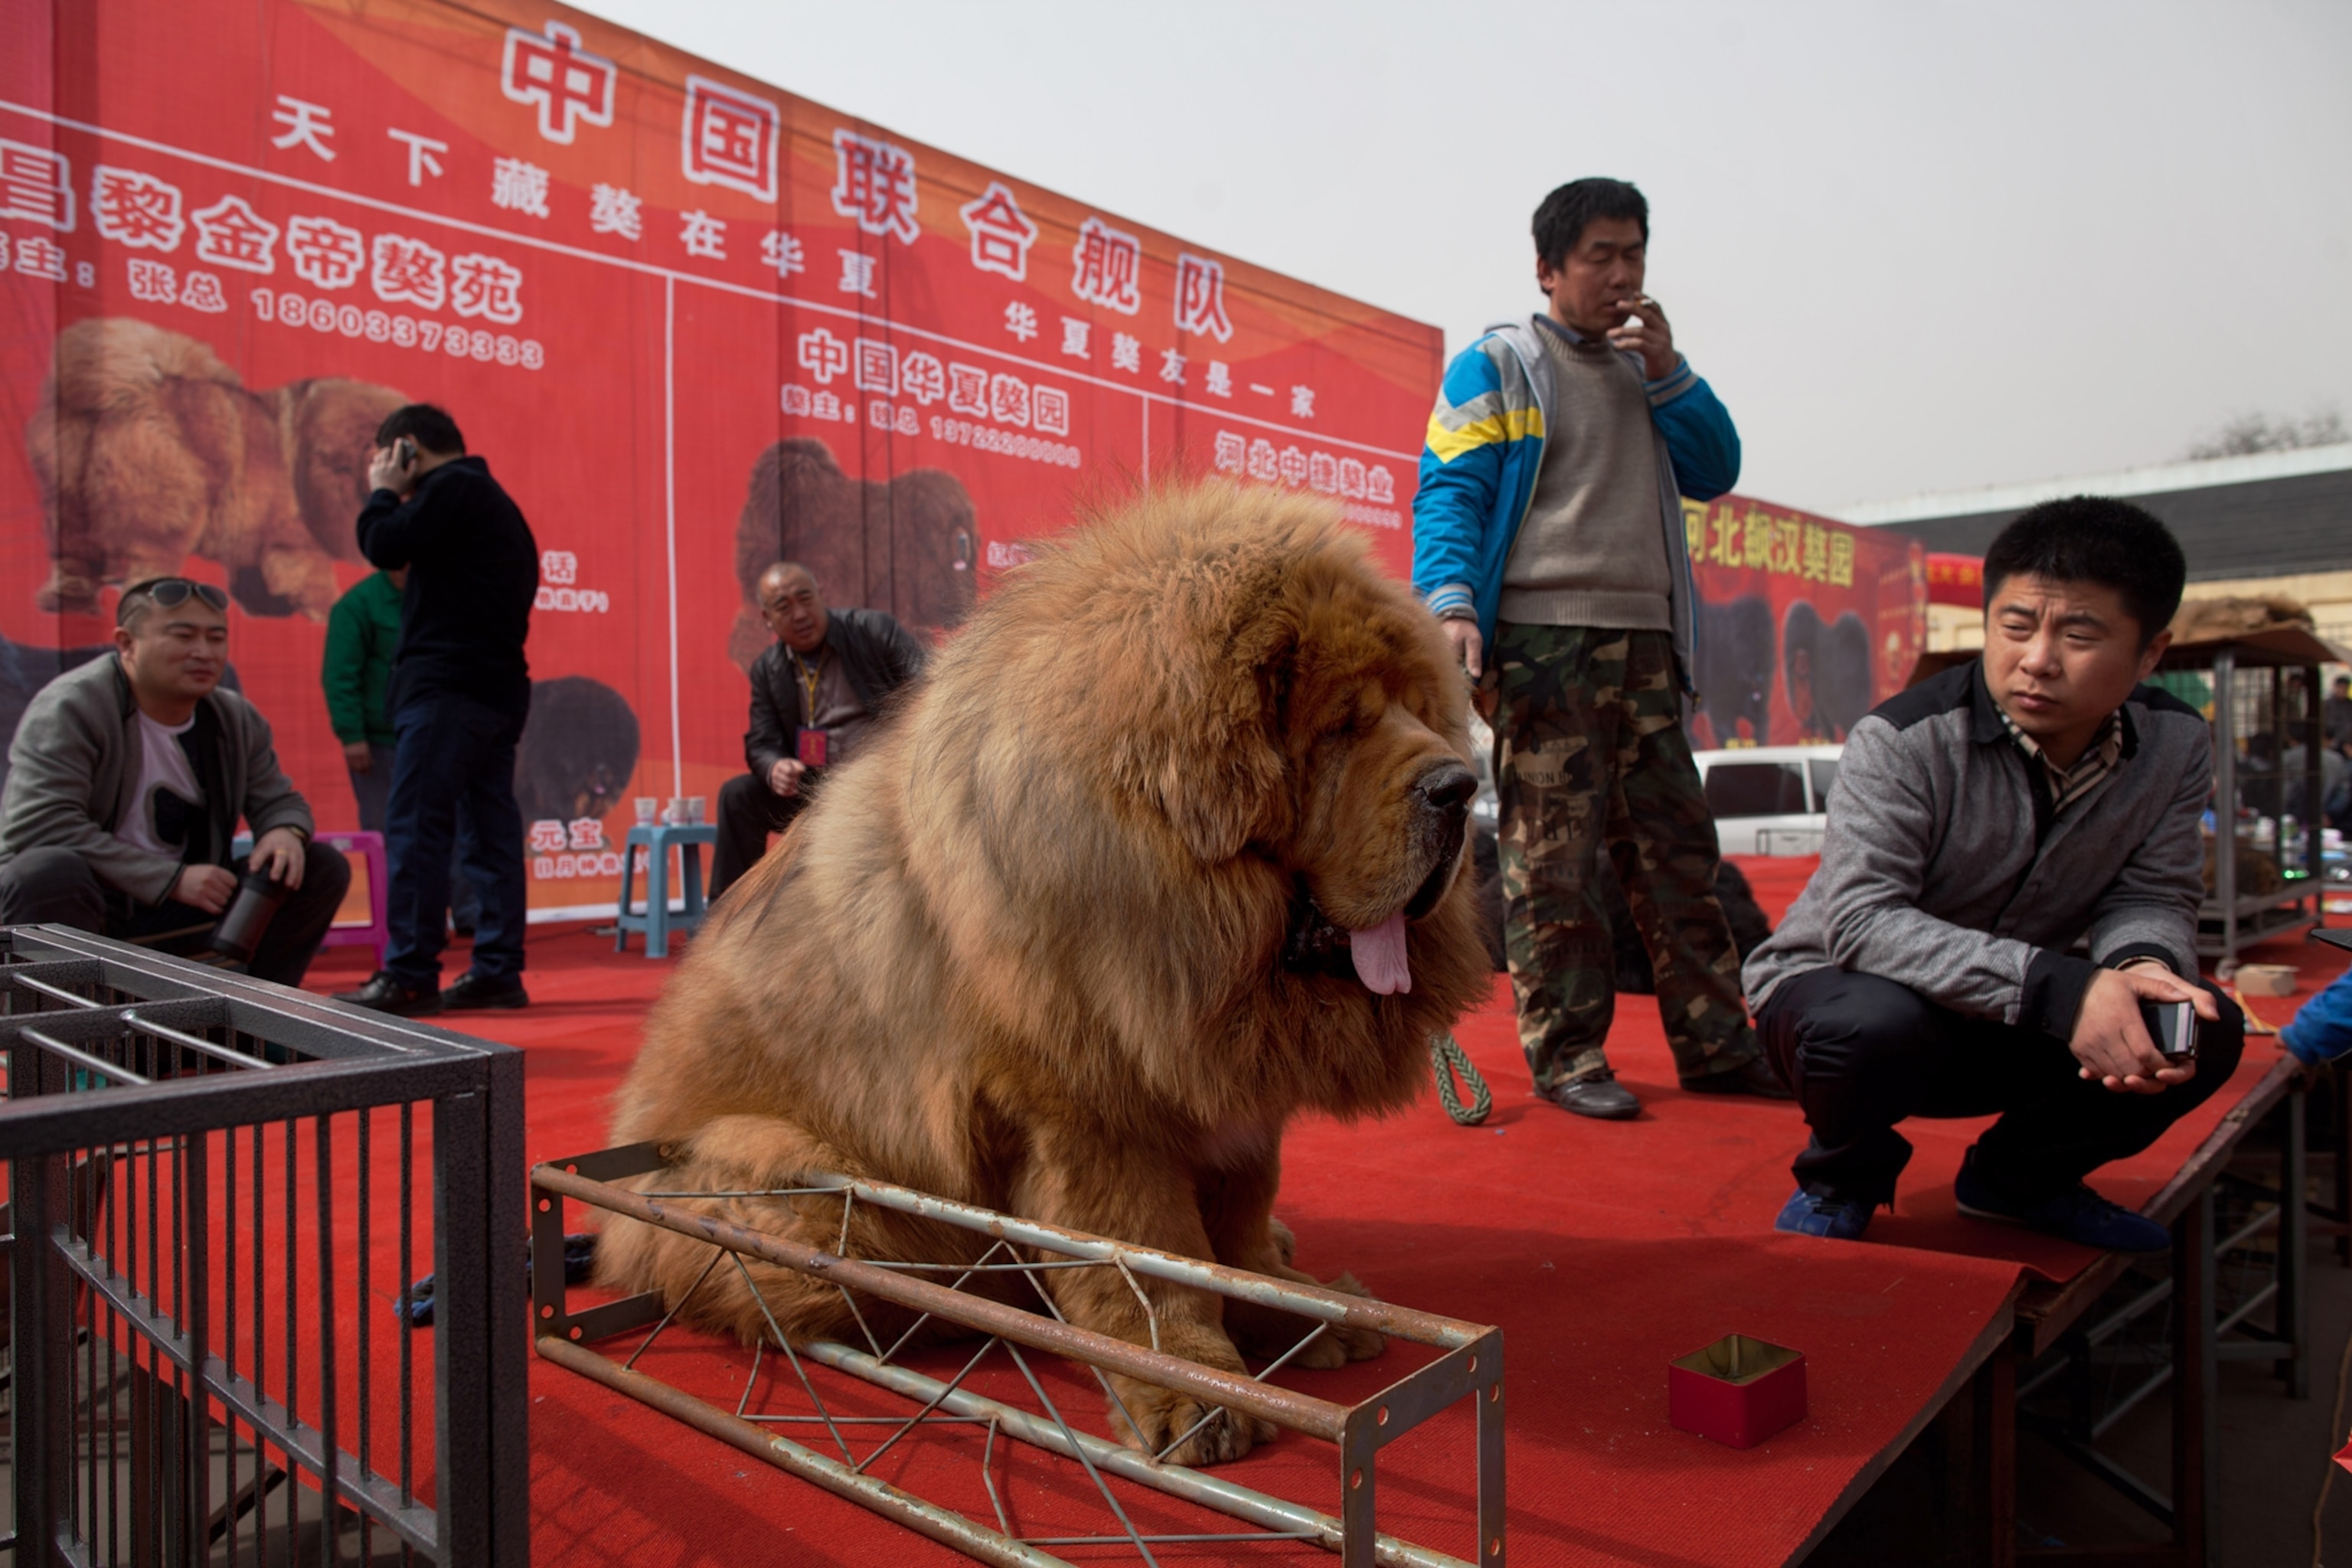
x=754, y=1159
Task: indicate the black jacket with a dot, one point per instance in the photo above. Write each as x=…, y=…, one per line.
x=878, y=655
x=473, y=572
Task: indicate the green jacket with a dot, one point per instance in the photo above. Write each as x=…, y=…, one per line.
x=362, y=630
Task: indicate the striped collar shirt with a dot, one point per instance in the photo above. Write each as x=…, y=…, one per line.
x=2067, y=786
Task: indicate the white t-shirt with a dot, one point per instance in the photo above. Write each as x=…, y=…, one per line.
x=163, y=766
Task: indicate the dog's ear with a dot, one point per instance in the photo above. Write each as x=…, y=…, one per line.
x=1199, y=743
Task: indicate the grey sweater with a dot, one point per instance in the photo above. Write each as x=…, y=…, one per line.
x=1590, y=551
x=1943, y=868
x=73, y=773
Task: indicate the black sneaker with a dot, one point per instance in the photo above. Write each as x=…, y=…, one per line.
x=477, y=990
x=386, y=993
x=1598, y=1095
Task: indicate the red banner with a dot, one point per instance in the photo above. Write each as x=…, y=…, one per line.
x=1805, y=623
x=1956, y=580
x=693, y=322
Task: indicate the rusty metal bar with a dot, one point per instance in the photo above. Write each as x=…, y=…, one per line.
x=1472, y=1368
x=1279, y=1515
x=938, y=1524
x=1307, y=1301
x=1284, y=1407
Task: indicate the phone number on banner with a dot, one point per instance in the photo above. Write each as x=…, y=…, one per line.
x=988, y=438
x=290, y=309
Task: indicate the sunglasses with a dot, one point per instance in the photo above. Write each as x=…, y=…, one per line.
x=169, y=593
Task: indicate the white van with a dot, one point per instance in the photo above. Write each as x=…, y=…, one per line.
x=1766, y=800
x=1769, y=800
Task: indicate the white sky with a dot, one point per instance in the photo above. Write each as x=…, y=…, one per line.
x=1914, y=247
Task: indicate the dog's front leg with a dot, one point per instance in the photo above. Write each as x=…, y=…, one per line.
x=1115, y=1185
x=1237, y=1206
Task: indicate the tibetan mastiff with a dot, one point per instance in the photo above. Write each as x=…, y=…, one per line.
x=1166, y=847
x=148, y=449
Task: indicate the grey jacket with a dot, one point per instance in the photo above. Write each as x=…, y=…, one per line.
x=73, y=772
x=1943, y=870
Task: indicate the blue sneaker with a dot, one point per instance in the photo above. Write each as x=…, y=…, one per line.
x=2079, y=1215
x=1841, y=1219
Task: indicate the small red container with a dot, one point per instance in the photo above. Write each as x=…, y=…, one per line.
x=1738, y=1390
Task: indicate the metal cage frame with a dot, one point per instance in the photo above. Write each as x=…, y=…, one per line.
x=141, y=1089
x=1469, y=1366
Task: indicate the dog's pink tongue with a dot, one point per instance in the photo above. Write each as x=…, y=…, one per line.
x=1380, y=958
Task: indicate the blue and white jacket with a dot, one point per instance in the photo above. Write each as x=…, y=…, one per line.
x=1485, y=445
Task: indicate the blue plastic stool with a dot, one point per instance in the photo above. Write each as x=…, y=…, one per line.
x=657, y=921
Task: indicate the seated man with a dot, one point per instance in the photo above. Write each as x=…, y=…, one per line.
x=814, y=695
x=1983, y=824
x=125, y=783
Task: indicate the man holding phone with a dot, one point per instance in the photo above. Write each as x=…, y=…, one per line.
x=1984, y=823
x=815, y=693
x=460, y=691
x=1548, y=539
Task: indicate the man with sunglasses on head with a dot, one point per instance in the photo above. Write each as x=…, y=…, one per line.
x=126, y=780
x=459, y=693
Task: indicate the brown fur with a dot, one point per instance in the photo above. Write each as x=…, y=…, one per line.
x=905, y=546
x=1026, y=950
x=148, y=450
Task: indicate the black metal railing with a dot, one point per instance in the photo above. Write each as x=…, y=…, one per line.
x=218, y=1191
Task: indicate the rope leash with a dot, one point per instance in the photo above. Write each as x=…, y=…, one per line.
x=1446, y=1060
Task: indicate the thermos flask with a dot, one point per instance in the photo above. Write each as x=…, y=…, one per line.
x=258, y=894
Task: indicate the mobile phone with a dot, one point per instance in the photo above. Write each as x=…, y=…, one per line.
x=404, y=451
x=2173, y=1026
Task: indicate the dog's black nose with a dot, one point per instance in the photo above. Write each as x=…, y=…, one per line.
x=1447, y=787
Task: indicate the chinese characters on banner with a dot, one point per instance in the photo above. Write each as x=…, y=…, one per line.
x=693, y=323
x=1804, y=624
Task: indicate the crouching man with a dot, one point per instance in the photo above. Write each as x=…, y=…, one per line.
x=126, y=780
x=1984, y=823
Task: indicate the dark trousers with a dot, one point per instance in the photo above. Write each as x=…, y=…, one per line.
x=373, y=790
x=1862, y=1053
x=452, y=785
x=56, y=887
x=748, y=812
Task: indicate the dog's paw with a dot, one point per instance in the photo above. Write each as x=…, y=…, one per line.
x=1204, y=1434
x=1353, y=1343
x=65, y=594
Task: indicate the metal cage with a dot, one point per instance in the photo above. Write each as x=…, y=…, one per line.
x=1466, y=1369
x=220, y=1189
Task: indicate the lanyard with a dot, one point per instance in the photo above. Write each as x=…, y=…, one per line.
x=807, y=674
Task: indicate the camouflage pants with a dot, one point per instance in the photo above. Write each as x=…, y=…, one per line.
x=1589, y=752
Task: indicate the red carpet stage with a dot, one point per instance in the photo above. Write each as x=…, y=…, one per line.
x=1602, y=1249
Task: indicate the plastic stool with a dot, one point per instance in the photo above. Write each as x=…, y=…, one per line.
x=367, y=848
x=657, y=921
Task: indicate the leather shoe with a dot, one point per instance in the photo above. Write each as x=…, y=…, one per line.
x=1757, y=1076
x=474, y=990
x=1599, y=1095
x=386, y=993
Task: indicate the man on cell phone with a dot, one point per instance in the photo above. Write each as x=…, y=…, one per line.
x=459, y=693
x=1984, y=825
x=814, y=695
